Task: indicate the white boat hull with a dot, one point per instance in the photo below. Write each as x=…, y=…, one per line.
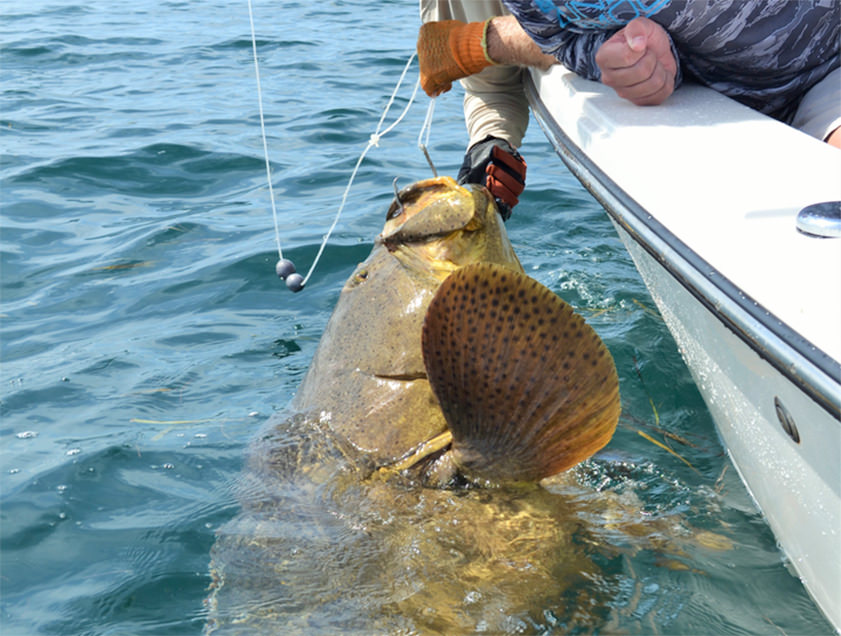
x=741, y=391
x=747, y=334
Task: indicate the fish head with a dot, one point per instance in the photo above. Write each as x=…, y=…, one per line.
x=438, y=226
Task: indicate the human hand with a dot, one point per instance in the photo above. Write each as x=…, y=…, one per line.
x=494, y=164
x=637, y=62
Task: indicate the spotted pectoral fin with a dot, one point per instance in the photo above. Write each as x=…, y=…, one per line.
x=528, y=389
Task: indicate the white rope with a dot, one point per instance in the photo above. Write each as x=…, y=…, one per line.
x=427, y=124
x=263, y=130
x=374, y=140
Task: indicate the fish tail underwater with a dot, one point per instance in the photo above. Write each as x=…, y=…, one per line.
x=156, y=478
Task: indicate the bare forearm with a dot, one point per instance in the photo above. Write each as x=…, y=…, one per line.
x=509, y=44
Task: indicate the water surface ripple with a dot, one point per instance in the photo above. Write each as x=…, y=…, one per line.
x=144, y=339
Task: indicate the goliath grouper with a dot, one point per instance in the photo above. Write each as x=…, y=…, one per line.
x=395, y=495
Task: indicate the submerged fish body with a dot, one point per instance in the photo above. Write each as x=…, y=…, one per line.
x=437, y=335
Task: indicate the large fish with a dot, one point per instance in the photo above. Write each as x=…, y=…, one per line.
x=523, y=384
x=442, y=365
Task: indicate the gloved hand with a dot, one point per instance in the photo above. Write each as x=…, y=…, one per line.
x=449, y=50
x=494, y=164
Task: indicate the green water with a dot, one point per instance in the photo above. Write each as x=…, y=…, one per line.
x=145, y=339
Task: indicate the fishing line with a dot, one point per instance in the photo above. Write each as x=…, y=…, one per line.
x=285, y=268
x=427, y=126
x=263, y=130
x=373, y=141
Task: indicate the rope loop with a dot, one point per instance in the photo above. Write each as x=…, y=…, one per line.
x=374, y=140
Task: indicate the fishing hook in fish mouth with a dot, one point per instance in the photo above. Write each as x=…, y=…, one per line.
x=397, y=195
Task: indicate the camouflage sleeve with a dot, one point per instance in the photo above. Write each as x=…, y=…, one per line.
x=575, y=48
x=573, y=44
x=764, y=53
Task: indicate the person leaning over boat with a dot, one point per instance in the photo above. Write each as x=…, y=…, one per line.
x=780, y=57
x=496, y=110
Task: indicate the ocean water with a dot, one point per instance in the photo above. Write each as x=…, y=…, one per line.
x=145, y=340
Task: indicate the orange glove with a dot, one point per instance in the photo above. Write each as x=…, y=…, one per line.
x=449, y=50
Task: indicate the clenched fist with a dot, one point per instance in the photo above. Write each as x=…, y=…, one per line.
x=637, y=62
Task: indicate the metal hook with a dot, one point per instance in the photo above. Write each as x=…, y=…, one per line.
x=397, y=195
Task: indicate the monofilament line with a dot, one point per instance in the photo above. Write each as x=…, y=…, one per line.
x=263, y=130
x=374, y=140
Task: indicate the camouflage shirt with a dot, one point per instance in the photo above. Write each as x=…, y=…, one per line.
x=764, y=53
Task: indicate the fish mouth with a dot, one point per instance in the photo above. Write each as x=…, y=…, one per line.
x=407, y=198
x=402, y=377
x=433, y=209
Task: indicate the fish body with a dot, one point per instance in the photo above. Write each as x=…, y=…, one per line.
x=438, y=341
x=523, y=385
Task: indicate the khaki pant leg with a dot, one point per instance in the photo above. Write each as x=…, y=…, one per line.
x=494, y=100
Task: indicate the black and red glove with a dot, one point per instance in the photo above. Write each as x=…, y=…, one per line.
x=494, y=164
